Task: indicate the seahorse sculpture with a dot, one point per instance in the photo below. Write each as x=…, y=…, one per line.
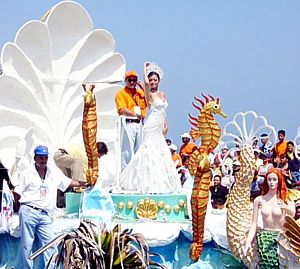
x=199, y=165
x=89, y=132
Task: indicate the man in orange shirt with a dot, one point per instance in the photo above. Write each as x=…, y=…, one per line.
x=187, y=147
x=131, y=105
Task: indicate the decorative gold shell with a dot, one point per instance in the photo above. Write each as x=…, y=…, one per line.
x=181, y=202
x=120, y=205
x=167, y=208
x=176, y=208
x=129, y=205
x=161, y=204
x=146, y=209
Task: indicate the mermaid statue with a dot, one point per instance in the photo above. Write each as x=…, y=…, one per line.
x=277, y=244
x=274, y=205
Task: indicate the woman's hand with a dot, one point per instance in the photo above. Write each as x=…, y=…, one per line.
x=141, y=85
x=146, y=64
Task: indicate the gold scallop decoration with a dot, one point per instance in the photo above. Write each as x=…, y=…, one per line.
x=181, y=202
x=161, y=204
x=120, y=205
x=146, y=209
x=129, y=205
x=167, y=208
x=176, y=208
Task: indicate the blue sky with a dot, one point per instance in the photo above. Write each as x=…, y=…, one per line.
x=245, y=52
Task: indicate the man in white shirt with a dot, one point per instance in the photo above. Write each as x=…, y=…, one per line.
x=37, y=189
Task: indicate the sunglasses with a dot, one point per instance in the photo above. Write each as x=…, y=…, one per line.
x=132, y=80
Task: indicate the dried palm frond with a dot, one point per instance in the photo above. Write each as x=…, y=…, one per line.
x=89, y=248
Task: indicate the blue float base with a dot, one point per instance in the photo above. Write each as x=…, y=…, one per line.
x=175, y=254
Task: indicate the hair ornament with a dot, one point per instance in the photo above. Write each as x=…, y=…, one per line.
x=153, y=67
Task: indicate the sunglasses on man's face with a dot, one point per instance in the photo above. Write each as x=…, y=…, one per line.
x=132, y=80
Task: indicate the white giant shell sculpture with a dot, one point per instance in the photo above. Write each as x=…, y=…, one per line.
x=246, y=127
x=43, y=70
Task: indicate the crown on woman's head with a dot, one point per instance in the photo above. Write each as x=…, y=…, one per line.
x=153, y=67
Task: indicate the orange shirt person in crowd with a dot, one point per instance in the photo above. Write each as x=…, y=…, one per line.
x=131, y=105
x=187, y=147
x=175, y=156
x=281, y=146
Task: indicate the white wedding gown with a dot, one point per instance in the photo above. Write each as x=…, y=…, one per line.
x=151, y=169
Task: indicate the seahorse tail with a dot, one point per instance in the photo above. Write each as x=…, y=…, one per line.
x=199, y=204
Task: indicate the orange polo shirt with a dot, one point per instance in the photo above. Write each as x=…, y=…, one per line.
x=124, y=99
x=187, y=148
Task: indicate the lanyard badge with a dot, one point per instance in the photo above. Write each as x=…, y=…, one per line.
x=43, y=190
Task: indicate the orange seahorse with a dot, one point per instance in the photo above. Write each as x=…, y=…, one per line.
x=199, y=165
x=89, y=132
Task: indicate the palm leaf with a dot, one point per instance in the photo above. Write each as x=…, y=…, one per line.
x=88, y=249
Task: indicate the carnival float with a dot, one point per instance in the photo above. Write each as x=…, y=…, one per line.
x=62, y=75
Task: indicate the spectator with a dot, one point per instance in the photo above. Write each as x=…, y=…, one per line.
x=227, y=177
x=107, y=172
x=265, y=167
x=187, y=147
x=186, y=179
x=265, y=143
x=285, y=170
x=168, y=141
x=218, y=192
x=280, y=146
x=255, y=187
x=221, y=155
x=175, y=156
x=293, y=161
x=258, y=161
x=73, y=163
x=37, y=194
x=7, y=204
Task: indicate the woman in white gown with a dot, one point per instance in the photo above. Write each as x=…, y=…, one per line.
x=151, y=170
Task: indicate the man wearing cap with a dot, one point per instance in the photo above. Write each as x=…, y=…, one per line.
x=187, y=147
x=131, y=105
x=37, y=192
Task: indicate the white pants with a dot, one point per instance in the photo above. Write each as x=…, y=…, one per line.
x=131, y=136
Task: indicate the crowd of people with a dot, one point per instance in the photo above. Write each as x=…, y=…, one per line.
x=225, y=165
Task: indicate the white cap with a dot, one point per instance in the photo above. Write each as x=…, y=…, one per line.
x=173, y=147
x=187, y=135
